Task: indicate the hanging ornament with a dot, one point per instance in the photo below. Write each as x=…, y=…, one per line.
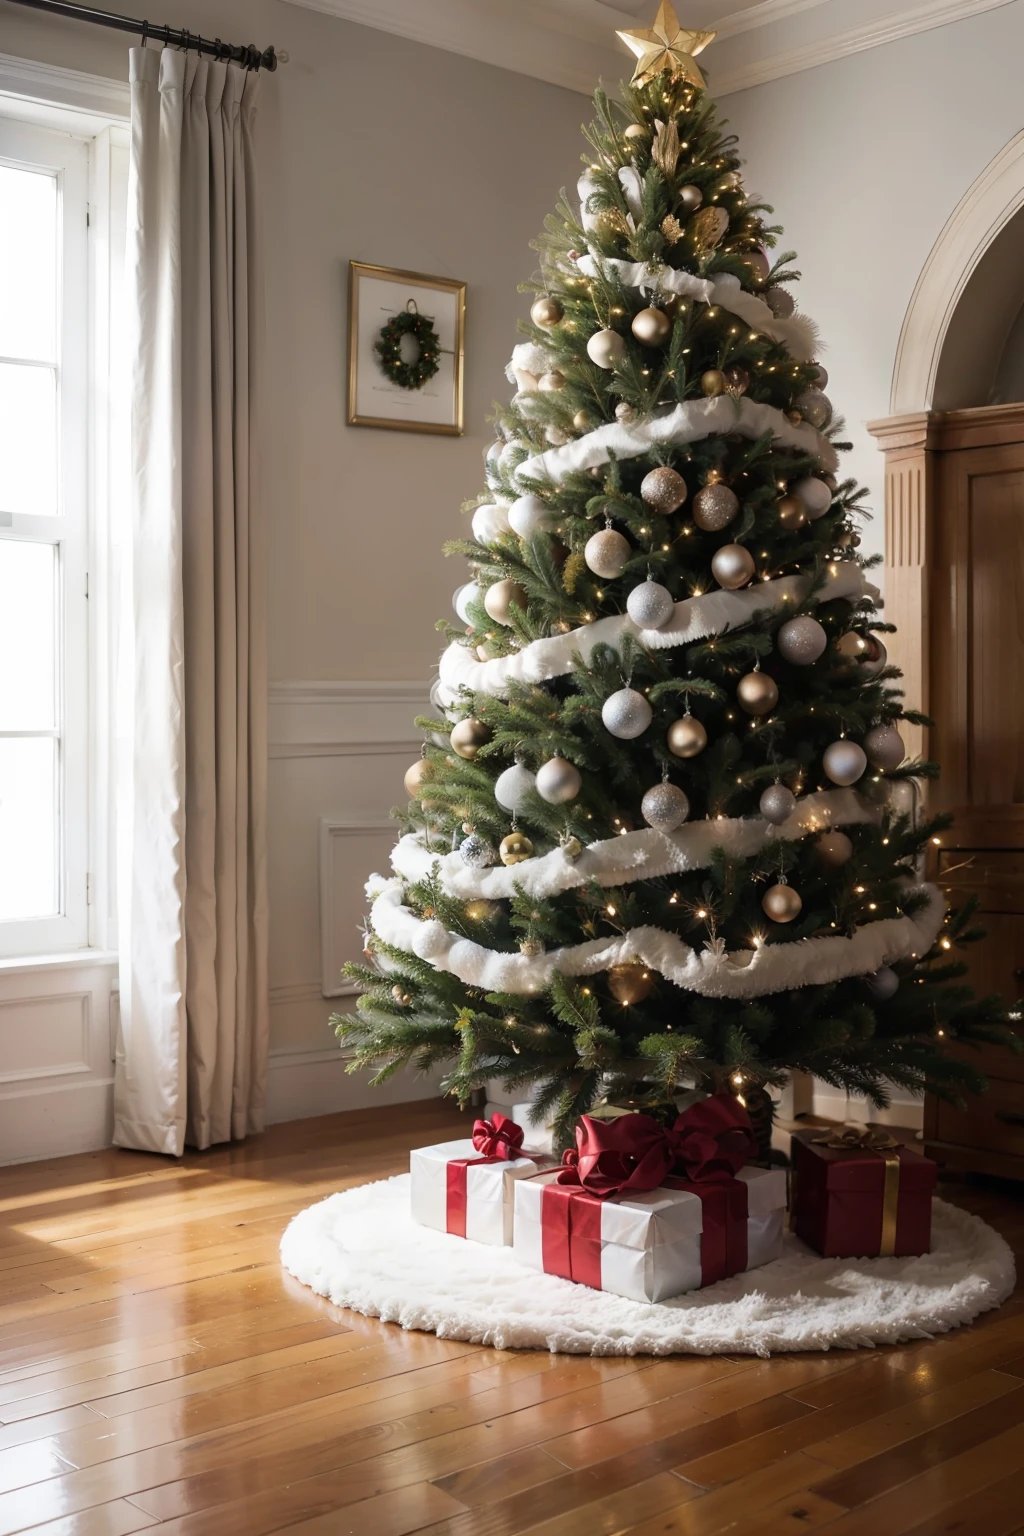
x=815, y=495
x=607, y=553
x=834, y=848
x=737, y=380
x=876, y=658
x=757, y=693
x=712, y=382
x=820, y=377
x=715, y=506
x=883, y=983
x=468, y=736
x=401, y=996
x=529, y=515
x=606, y=348
x=498, y=600
x=708, y=228
x=671, y=229
x=758, y=266
x=468, y=593
x=650, y=605
x=531, y=947
x=732, y=566
x=780, y=301
x=791, y=512
x=512, y=787
x=571, y=846
x=626, y=714
x=814, y=407
x=884, y=747
x=546, y=312
x=801, y=641
x=415, y=778
x=629, y=984
x=663, y=489
x=852, y=646
x=626, y=413
x=690, y=198
x=476, y=852
x=585, y=421
x=844, y=762
x=686, y=737
x=483, y=911
x=781, y=903
x=777, y=804
x=635, y=132
x=665, y=807
x=652, y=327
x=551, y=381
x=515, y=848
x=558, y=781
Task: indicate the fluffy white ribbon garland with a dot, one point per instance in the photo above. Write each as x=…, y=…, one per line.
x=684, y=423
x=695, y=618
x=644, y=855
x=711, y=972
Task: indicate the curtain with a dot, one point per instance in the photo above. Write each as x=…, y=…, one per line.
x=192, y=687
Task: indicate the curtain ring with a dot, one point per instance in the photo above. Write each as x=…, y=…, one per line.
x=145, y=33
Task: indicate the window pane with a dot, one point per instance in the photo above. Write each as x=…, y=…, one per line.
x=28, y=264
x=28, y=827
x=28, y=440
x=28, y=637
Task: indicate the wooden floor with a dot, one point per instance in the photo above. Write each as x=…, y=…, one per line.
x=159, y=1370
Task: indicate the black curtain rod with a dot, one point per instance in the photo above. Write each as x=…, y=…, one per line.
x=247, y=54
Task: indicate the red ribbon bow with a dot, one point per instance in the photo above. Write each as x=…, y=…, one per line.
x=498, y=1137
x=709, y=1143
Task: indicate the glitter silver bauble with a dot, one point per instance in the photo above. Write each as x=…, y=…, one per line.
x=781, y=903
x=477, y=852
x=814, y=407
x=732, y=566
x=780, y=301
x=558, y=781
x=663, y=489
x=714, y=507
x=606, y=349
x=529, y=515
x=777, y=804
x=883, y=983
x=650, y=605
x=801, y=640
x=757, y=693
x=607, y=553
x=844, y=762
x=834, y=848
x=498, y=600
x=626, y=714
x=469, y=593
x=690, y=198
x=512, y=787
x=876, y=658
x=686, y=737
x=652, y=327
x=884, y=747
x=665, y=806
x=815, y=495
x=489, y=523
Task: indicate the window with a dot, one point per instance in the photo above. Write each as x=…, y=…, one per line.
x=44, y=540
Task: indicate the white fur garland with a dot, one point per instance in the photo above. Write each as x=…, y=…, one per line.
x=644, y=855
x=711, y=972
x=695, y=618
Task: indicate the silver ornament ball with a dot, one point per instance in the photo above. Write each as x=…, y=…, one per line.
x=814, y=407
x=777, y=804
x=626, y=714
x=650, y=605
x=714, y=507
x=512, y=787
x=844, y=762
x=476, y=852
x=884, y=747
x=607, y=553
x=558, y=781
x=801, y=641
x=732, y=566
x=606, y=349
x=665, y=807
x=883, y=983
x=757, y=693
x=821, y=377
x=663, y=489
x=815, y=495
x=690, y=198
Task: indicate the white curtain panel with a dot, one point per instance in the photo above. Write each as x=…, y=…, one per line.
x=192, y=725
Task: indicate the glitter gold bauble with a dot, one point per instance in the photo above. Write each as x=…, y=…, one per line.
x=482, y=911
x=551, y=381
x=690, y=198
x=515, y=848
x=630, y=984
x=853, y=646
x=757, y=693
x=607, y=553
x=652, y=327
x=712, y=382
x=606, y=348
x=781, y=903
x=732, y=566
x=546, y=312
x=469, y=736
x=791, y=512
x=834, y=848
x=686, y=737
x=845, y=762
x=663, y=489
x=499, y=598
x=714, y=507
x=415, y=778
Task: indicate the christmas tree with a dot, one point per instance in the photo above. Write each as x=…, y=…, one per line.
x=663, y=833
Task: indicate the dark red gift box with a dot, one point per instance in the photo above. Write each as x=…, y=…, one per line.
x=858, y=1193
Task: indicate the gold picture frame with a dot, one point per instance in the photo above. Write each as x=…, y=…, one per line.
x=376, y=293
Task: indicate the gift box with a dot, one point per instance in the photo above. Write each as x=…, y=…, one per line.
x=538, y=1130
x=858, y=1193
x=619, y=1217
x=465, y=1187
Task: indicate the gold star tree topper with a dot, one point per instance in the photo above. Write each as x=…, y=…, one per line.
x=667, y=46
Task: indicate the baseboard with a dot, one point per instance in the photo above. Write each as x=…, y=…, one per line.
x=831, y=1104
x=56, y=1121
x=303, y=1084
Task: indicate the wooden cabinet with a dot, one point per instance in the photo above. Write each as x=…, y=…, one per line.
x=954, y=574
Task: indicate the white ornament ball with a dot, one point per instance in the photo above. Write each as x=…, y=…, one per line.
x=469, y=593
x=884, y=747
x=489, y=523
x=814, y=407
x=815, y=495
x=650, y=605
x=845, y=762
x=777, y=804
x=477, y=852
x=883, y=983
x=626, y=714
x=732, y=566
x=665, y=807
x=530, y=515
x=606, y=348
x=512, y=787
x=607, y=553
x=558, y=781
x=801, y=640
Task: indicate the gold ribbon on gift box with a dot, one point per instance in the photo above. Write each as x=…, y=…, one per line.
x=867, y=1138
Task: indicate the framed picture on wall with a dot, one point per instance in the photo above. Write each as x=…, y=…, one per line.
x=405, y=350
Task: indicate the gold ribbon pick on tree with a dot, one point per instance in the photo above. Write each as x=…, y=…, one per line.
x=867, y=1138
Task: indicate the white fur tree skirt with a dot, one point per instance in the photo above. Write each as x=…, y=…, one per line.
x=363, y=1250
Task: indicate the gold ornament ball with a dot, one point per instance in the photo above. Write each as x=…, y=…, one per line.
x=781, y=903
x=549, y=382
x=401, y=996
x=732, y=566
x=853, y=646
x=630, y=984
x=499, y=598
x=635, y=131
x=468, y=736
x=792, y=512
x=713, y=382
x=584, y=421
x=834, y=848
x=652, y=327
x=757, y=693
x=686, y=737
x=515, y=848
x=690, y=198
x=546, y=312
x=481, y=911
x=663, y=490
x=415, y=778
x=714, y=507
x=737, y=379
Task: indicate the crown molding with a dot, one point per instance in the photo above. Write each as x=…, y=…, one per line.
x=761, y=15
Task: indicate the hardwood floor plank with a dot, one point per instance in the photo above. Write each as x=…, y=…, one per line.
x=993, y=1511
x=117, y=1519
x=389, y=1514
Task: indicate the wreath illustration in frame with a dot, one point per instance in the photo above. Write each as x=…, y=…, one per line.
x=406, y=347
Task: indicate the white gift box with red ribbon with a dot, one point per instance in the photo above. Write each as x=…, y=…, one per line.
x=456, y=1189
